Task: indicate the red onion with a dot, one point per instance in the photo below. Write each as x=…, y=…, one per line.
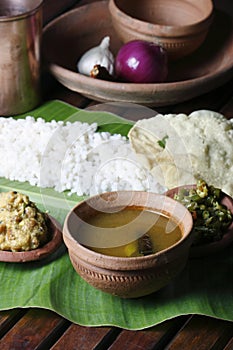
x=140, y=61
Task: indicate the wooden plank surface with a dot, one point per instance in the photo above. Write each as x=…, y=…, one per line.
x=203, y=333
x=86, y=338
x=36, y=329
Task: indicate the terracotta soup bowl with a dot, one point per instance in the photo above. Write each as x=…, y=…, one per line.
x=110, y=241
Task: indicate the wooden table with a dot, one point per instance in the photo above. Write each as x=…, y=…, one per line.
x=42, y=329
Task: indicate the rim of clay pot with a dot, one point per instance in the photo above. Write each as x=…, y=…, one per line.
x=160, y=29
x=132, y=263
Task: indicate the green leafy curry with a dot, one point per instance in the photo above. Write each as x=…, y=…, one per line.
x=211, y=217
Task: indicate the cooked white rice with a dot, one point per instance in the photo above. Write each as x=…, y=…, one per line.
x=70, y=156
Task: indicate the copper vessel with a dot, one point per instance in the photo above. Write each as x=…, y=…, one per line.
x=20, y=45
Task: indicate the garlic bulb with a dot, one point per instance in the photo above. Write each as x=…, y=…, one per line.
x=100, y=55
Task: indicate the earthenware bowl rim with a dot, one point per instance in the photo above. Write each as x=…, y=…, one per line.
x=164, y=30
x=118, y=86
x=125, y=260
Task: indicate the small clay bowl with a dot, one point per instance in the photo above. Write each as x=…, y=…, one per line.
x=43, y=252
x=127, y=277
x=214, y=247
x=179, y=26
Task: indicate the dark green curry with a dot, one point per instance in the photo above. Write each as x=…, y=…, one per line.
x=211, y=218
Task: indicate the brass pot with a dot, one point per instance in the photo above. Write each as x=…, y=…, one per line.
x=20, y=58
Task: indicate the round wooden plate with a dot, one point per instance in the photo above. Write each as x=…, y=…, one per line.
x=67, y=37
x=214, y=247
x=40, y=253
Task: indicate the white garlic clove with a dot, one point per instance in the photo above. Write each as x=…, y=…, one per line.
x=100, y=55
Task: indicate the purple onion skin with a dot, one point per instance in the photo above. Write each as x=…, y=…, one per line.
x=141, y=62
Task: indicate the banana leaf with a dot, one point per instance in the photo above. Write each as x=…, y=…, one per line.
x=204, y=287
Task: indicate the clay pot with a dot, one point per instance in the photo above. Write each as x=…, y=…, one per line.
x=179, y=26
x=127, y=277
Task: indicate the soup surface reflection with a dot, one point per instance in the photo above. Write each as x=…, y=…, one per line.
x=135, y=232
